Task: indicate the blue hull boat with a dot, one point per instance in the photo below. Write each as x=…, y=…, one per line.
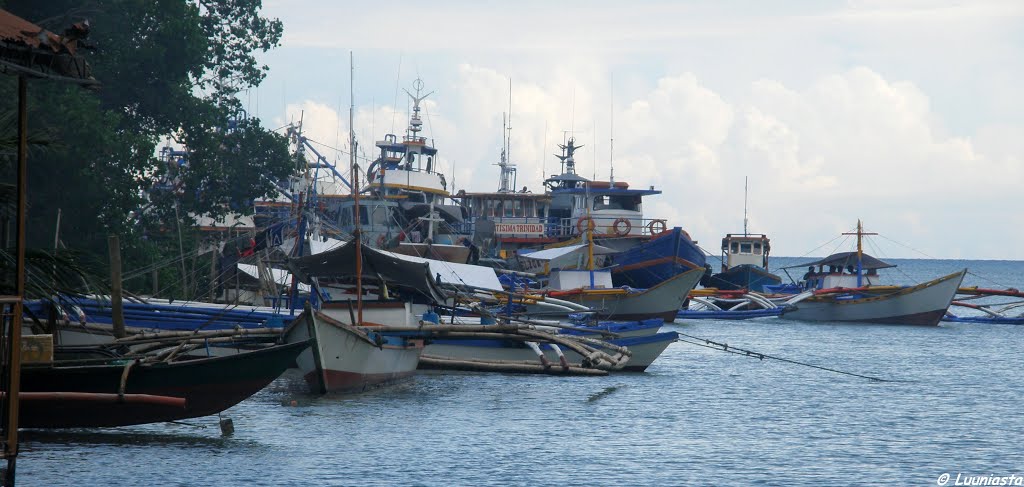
x=745, y=276
x=648, y=264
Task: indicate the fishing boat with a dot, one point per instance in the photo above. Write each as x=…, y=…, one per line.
x=90, y=388
x=506, y=221
x=851, y=291
x=656, y=260
x=349, y=351
x=744, y=260
x=405, y=205
x=594, y=288
x=347, y=358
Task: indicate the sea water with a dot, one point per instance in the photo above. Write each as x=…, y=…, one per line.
x=950, y=405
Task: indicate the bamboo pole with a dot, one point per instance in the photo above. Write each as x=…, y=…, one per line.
x=430, y=361
x=14, y=342
x=168, y=335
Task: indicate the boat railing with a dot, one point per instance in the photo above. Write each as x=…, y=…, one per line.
x=555, y=227
x=610, y=226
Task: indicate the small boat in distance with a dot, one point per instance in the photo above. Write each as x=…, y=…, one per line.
x=850, y=291
x=744, y=264
x=744, y=260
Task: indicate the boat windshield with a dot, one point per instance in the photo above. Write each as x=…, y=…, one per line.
x=617, y=202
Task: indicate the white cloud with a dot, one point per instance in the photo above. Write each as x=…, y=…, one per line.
x=905, y=114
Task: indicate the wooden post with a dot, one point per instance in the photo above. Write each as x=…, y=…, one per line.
x=14, y=338
x=117, y=309
x=213, y=275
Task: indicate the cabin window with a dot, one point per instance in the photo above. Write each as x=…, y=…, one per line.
x=735, y=247
x=510, y=208
x=745, y=248
x=363, y=216
x=380, y=216
x=628, y=203
x=757, y=248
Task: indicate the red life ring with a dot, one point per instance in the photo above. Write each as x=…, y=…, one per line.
x=589, y=224
x=622, y=226
x=657, y=227
x=380, y=242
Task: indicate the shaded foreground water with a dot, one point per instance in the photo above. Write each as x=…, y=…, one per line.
x=697, y=417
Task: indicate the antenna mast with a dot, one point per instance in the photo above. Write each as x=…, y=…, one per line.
x=508, y=169
x=744, y=206
x=611, y=143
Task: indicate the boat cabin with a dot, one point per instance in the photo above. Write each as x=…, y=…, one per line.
x=842, y=270
x=746, y=249
x=406, y=168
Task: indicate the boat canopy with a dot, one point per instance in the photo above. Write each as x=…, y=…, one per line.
x=423, y=275
x=557, y=252
x=843, y=259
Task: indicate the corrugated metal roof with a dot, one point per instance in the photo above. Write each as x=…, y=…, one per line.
x=20, y=31
x=26, y=48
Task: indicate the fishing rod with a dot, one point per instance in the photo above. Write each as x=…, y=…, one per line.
x=725, y=347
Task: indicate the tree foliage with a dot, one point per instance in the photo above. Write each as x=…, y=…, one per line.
x=168, y=68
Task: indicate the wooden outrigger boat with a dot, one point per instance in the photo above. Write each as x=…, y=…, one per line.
x=857, y=296
x=109, y=390
x=594, y=289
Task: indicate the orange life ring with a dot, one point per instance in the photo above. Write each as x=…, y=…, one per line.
x=579, y=224
x=657, y=227
x=622, y=226
x=380, y=241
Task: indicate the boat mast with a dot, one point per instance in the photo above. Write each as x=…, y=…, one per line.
x=611, y=132
x=744, y=206
x=860, y=250
x=508, y=183
x=355, y=189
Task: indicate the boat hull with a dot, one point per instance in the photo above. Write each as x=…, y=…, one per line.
x=208, y=386
x=744, y=276
x=661, y=301
x=650, y=263
x=644, y=349
x=924, y=304
x=348, y=359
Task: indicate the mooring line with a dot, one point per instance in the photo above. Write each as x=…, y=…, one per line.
x=724, y=347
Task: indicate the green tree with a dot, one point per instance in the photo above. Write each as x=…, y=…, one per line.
x=167, y=68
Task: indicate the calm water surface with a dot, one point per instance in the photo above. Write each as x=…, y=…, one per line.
x=697, y=417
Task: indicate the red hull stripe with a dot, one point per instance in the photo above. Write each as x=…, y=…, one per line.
x=340, y=381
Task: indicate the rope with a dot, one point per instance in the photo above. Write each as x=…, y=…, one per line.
x=969, y=272
x=724, y=347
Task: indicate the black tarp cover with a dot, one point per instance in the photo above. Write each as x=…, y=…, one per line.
x=377, y=266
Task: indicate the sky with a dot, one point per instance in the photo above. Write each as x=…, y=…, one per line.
x=905, y=114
